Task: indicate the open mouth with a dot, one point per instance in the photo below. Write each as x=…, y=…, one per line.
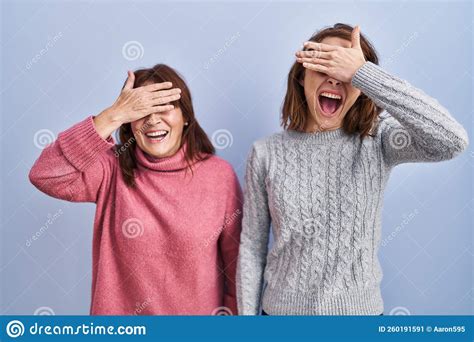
x=157, y=136
x=329, y=103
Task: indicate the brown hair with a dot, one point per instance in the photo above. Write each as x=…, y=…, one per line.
x=363, y=114
x=198, y=145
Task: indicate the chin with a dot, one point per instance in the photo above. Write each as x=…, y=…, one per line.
x=327, y=123
x=165, y=150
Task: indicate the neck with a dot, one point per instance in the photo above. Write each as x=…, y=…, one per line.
x=175, y=162
x=312, y=127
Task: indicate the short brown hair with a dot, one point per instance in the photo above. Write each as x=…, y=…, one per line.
x=363, y=114
x=198, y=145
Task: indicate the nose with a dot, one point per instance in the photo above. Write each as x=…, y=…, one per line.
x=153, y=119
x=333, y=81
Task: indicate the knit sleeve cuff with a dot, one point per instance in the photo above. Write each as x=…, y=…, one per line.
x=82, y=145
x=370, y=78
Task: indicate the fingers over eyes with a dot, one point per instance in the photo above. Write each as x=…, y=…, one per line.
x=320, y=46
x=313, y=53
x=326, y=62
x=164, y=99
x=158, y=109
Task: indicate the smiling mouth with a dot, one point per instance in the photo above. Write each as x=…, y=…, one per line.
x=157, y=136
x=329, y=103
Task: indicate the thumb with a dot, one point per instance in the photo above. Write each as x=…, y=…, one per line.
x=130, y=80
x=355, y=37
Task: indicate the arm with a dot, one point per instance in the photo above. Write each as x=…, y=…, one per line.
x=418, y=128
x=254, y=237
x=229, y=241
x=72, y=168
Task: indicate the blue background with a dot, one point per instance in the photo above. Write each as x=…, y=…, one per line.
x=235, y=58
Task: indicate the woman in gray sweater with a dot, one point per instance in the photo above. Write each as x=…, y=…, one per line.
x=320, y=181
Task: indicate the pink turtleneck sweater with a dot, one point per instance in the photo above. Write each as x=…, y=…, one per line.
x=168, y=247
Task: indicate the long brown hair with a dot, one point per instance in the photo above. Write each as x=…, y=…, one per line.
x=361, y=117
x=198, y=145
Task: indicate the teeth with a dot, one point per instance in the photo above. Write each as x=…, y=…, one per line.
x=156, y=134
x=331, y=96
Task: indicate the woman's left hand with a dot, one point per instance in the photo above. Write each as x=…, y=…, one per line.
x=335, y=61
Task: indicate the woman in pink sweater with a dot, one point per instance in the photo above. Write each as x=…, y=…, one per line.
x=168, y=218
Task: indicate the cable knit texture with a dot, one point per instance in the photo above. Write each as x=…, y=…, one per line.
x=170, y=245
x=322, y=194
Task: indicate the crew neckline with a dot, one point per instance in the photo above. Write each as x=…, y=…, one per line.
x=318, y=136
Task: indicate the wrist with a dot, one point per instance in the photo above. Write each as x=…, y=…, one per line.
x=107, y=122
x=358, y=67
x=111, y=117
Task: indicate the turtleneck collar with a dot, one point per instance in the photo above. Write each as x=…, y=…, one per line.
x=176, y=162
x=318, y=136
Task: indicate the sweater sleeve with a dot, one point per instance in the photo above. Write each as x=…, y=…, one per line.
x=254, y=238
x=416, y=128
x=229, y=241
x=71, y=168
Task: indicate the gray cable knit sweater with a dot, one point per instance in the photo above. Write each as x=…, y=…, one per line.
x=322, y=193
